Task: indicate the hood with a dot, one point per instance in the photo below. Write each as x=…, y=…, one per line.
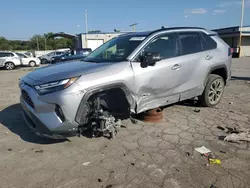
x=63, y=71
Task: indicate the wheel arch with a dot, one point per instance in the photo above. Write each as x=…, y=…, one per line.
x=120, y=86
x=9, y=62
x=32, y=61
x=220, y=70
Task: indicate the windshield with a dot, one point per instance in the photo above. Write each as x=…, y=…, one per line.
x=115, y=50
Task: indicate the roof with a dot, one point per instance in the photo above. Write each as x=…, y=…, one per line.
x=63, y=34
x=146, y=33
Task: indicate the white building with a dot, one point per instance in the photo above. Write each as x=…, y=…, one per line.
x=94, y=40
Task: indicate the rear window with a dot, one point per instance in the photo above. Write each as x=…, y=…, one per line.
x=8, y=54
x=2, y=54
x=208, y=43
x=191, y=42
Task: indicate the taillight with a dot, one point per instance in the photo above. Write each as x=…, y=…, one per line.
x=230, y=51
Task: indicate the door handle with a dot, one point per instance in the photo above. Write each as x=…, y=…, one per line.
x=208, y=57
x=176, y=67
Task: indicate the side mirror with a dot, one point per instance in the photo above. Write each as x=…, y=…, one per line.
x=150, y=58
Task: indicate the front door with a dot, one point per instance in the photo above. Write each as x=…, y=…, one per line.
x=153, y=85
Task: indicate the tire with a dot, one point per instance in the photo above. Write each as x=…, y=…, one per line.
x=44, y=61
x=213, y=91
x=9, y=66
x=32, y=63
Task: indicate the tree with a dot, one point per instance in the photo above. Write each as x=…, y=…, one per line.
x=35, y=42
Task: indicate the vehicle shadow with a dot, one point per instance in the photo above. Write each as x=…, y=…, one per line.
x=11, y=118
x=240, y=78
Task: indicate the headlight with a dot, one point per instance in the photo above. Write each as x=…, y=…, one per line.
x=55, y=86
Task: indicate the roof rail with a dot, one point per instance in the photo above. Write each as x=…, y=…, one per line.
x=175, y=28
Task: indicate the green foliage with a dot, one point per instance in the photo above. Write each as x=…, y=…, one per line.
x=37, y=41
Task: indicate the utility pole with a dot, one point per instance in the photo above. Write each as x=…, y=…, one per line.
x=241, y=24
x=37, y=43
x=45, y=42
x=86, y=27
x=133, y=26
x=186, y=18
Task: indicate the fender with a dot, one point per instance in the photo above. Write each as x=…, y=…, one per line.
x=213, y=69
x=93, y=91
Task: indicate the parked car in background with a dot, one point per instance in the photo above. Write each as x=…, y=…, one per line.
x=9, y=60
x=47, y=57
x=30, y=54
x=85, y=51
x=28, y=61
x=68, y=56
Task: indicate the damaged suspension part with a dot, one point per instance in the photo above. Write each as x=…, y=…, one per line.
x=100, y=120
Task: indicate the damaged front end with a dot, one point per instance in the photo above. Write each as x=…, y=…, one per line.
x=102, y=114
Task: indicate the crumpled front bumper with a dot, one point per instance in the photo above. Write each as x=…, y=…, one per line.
x=40, y=129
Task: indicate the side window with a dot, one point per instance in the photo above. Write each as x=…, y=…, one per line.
x=191, y=42
x=21, y=55
x=209, y=43
x=59, y=53
x=165, y=44
x=8, y=54
x=2, y=54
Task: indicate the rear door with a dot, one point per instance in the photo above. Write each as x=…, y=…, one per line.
x=190, y=66
x=24, y=59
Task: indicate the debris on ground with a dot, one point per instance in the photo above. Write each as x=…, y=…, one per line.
x=214, y=161
x=86, y=163
x=100, y=180
x=109, y=186
x=39, y=151
x=213, y=186
x=209, y=155
x=203, y=150
x=154, y=115
x=133, y=164
x=234, y=137
x=188, y=153
x=236, y=134
x=230, y=102
x=197, y=110
x=9, y=149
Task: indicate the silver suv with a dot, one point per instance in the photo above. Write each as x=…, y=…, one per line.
x=9, y=60
x=127, y=75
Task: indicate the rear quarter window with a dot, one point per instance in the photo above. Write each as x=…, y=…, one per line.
x=208, y=42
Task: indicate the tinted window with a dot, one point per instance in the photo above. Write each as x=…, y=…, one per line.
x=21, y=55
x=166, y=45
x=51, y=53
x=7, y=54
x=2, y=54
x=209, y=43
x=191, y=42
x=59, y=53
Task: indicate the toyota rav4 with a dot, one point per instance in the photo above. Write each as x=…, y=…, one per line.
x=127, y=75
